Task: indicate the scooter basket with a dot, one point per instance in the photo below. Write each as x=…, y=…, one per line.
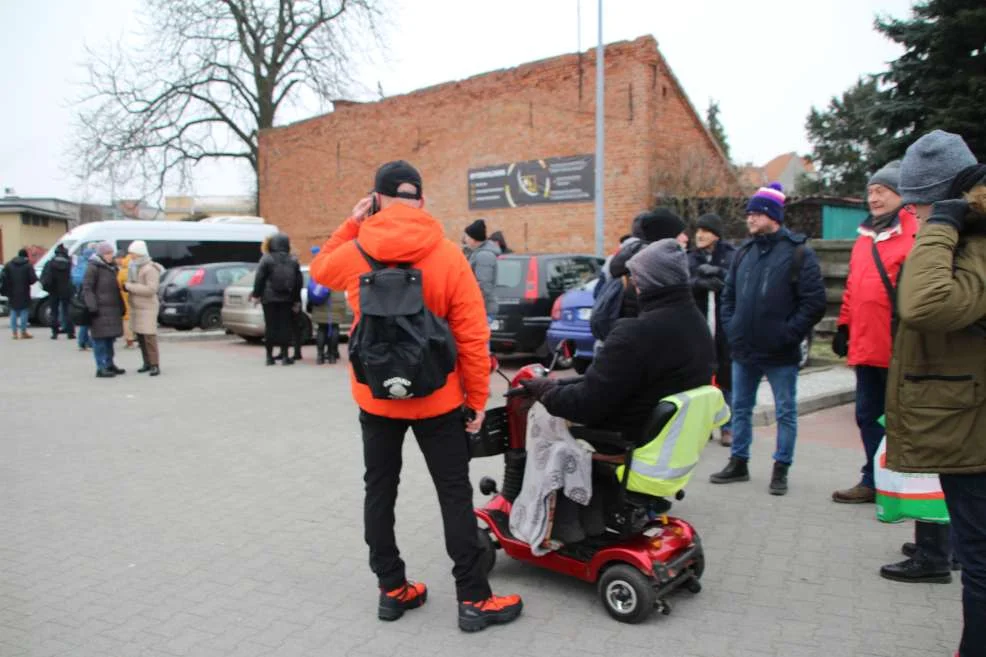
x=493, y=438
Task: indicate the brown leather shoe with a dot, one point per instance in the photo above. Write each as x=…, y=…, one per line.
x=726, y=437
x=858, y=494
x=26, y=336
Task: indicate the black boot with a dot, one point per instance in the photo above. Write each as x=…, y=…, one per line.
x=285, y=359
x=778, y=481
x=910, y=549
x=144, y=368
x=105, y=373
x=270, y=354
x=54, y=334
x=930, y=561
x=155, y=370
x=736, y=470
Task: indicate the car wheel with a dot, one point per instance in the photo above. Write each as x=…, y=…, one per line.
x=184, y=328
x=211, y=318
x=805, y=352
x=44, y=314
x=307, y=332
x=627, y=593
x=581, y=365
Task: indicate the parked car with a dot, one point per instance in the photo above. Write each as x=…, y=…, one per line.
x=570, y=317
x=193, y=296
x=246, y=319
x=527, y=287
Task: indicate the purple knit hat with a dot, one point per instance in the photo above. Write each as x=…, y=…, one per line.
x=768, y=200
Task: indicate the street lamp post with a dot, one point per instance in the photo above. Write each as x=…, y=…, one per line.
x=600, y=134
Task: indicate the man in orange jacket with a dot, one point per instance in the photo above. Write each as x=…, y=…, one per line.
x=402, y=232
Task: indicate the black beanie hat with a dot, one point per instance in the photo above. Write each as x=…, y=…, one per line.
x=710, y=222
x=477, y=230
x=659, y=224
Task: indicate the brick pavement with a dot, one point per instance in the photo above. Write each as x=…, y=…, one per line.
x=216, y=510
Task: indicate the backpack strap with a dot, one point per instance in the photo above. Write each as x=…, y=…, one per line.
x=375, y=264
x=891, y=290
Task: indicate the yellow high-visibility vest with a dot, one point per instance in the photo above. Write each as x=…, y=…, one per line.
x=663, y=466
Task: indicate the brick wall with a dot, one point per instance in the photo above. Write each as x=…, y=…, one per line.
x=312, y=172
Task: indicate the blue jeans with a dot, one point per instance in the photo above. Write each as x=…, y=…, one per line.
x=965, y=496
x=871, y=396
x=783, y=381
x=102, y=349
x=83, y=337
x=22, y=316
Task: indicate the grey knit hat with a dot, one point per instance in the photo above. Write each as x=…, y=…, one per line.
x=660, y=264
x=888, y=176
x=930, y=164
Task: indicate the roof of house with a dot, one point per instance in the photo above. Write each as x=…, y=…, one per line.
x=23, y=208
x=776, y=166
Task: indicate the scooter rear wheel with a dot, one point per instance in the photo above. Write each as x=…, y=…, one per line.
x=626, y=593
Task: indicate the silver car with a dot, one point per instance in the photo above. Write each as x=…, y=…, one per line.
x=246, y=319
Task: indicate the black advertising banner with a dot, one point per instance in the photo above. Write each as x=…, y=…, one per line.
x=553, y=180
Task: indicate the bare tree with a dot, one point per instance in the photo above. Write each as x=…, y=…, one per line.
x=692, y=182
x=207, y=77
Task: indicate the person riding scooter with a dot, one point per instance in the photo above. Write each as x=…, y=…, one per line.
x=665, y=350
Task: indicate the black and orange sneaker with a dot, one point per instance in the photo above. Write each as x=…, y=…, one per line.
x=496, y=609
x=393, y=604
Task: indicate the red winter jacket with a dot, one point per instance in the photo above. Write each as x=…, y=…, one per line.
x=865, y=303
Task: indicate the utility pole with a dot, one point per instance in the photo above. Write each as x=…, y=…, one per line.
x=600, y=134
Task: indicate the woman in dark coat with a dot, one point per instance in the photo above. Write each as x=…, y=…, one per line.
x=101, y=292
x=278, y=286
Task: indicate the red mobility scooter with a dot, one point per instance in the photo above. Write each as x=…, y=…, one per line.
x=643, y=555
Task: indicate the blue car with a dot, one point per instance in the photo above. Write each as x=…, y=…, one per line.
x=570, y=321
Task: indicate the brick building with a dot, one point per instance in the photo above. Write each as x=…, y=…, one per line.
x=312, y=172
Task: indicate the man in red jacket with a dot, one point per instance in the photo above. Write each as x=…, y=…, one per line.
x=865, y=321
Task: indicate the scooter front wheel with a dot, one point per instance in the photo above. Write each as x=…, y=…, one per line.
x=626, y=593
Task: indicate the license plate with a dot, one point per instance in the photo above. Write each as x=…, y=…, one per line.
x=496, y=325
x=170, y=311
x=235, y=299
x=585, y=314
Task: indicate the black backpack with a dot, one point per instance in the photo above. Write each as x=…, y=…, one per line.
x=282, y=276
x=78, y=310
x=399, y=348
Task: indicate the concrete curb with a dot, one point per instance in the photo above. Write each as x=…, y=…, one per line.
x=764, y=415
x=195, y=335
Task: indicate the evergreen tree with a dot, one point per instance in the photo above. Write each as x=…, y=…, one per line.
x=940, y=80
x=714, y=125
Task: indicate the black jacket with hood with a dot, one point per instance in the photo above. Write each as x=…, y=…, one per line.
x=276, y=263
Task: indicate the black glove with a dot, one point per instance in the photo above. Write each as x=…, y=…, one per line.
x=950, y=213
x=308, y=307
x=840, y=341
x=711, y=271
x=537, y=387
x=713, y=285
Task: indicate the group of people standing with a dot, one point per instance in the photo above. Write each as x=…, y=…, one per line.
x=912, y=324
x=95, y=300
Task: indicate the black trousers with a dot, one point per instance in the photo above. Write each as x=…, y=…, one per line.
x=965, y=496
x=442, y=440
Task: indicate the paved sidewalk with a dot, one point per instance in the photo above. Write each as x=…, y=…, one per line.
x=217, y=511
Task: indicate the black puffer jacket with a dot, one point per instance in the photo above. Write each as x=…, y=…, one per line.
x=57, y=276
x=665, y=350
x=18, y=277
x=274, y=264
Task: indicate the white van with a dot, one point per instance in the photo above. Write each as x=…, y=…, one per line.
x=170, y=243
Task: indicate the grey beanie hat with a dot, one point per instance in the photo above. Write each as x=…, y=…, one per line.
x=888, y=176
x=930, y=164
x=660, y=264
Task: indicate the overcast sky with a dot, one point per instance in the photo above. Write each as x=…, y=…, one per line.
x=766, y=62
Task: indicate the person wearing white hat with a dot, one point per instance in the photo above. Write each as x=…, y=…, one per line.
x=143, y=279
